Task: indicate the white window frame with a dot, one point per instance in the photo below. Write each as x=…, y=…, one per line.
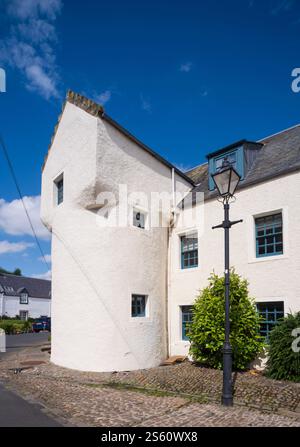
x=22, y=296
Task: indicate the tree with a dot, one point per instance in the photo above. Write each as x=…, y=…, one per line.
x=284, y=350
x=207, y=330
x=17, y=272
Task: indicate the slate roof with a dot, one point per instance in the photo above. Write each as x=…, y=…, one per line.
x=279, y=155
x=12, y=285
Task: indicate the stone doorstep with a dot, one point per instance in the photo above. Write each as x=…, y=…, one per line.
x=32, y=363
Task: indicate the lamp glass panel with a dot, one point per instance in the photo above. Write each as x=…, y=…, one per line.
x=234, y=182
x=222, y=181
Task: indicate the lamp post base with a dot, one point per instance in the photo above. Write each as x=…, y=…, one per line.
x=227, y=398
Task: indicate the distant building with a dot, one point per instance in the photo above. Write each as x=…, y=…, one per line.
x=24, y=297
x=123, y=294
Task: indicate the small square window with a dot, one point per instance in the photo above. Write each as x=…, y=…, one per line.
x=139, y=219
x=59, y=187
x=138, y=305
x=24, y=298
x=270, y=313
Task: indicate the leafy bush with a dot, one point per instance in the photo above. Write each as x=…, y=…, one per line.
x=15, y=326
x=207, y=331
x=283, y=362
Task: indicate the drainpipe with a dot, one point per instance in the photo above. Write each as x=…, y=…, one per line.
x=168, y=319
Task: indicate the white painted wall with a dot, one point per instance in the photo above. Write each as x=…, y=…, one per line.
x=271, y=279
x=95, y=269
x=36, y=307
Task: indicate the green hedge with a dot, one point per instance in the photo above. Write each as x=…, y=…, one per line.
x=15, y=326
x=284, y=361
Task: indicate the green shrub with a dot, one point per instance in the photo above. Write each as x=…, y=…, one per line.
x=284, y=362
x=13, y=326
x=26, y=326
x=207, y=331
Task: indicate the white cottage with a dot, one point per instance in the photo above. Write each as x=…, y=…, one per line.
x=24, y=297
x=128, y=258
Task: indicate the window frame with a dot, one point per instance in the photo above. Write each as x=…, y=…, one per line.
x=266, y=235
x=239, y=164
x=143, y=312
x=22, y=295
x=182, y=252
x=184, y=312
x=266, y=333
x=136, y=211
x=59, y=196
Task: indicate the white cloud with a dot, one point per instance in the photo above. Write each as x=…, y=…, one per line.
x=145, y=104
x=13, y=219
x=103, y=97
x=13, y=247
x=37, y=30
x=25, y=9
x=30, y=44
x=185, y=68
x=47, y=258
x=46, y=275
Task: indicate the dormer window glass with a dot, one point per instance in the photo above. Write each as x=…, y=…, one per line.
x=24, y=298
x=235, y=157
x=231, y=158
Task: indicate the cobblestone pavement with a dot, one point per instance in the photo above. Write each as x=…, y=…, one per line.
x=104, y=399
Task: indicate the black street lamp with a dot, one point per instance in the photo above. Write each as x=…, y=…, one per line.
x=226, y=181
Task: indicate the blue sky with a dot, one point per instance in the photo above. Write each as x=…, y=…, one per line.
x=185, y=77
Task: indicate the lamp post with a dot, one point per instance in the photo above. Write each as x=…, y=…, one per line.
x=226, y=181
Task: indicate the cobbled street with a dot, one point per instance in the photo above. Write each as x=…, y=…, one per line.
x=174, y=396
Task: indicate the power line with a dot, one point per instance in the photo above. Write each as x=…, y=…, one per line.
x=6, y=155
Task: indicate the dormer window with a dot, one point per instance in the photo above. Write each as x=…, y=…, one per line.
x=235, y=156
x=241, y=155
x=24, y=298
x=231, y=158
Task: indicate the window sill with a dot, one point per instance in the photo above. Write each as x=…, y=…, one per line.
x=190, y=270
x=268, y=258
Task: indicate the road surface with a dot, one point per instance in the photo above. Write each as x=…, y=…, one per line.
x=23, y=340
x=15, y=411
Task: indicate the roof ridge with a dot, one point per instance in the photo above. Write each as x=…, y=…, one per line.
x=23, y=277
x=197, y=166
x=278, y=133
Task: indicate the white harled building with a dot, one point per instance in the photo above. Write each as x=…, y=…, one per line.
x=127, y=266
